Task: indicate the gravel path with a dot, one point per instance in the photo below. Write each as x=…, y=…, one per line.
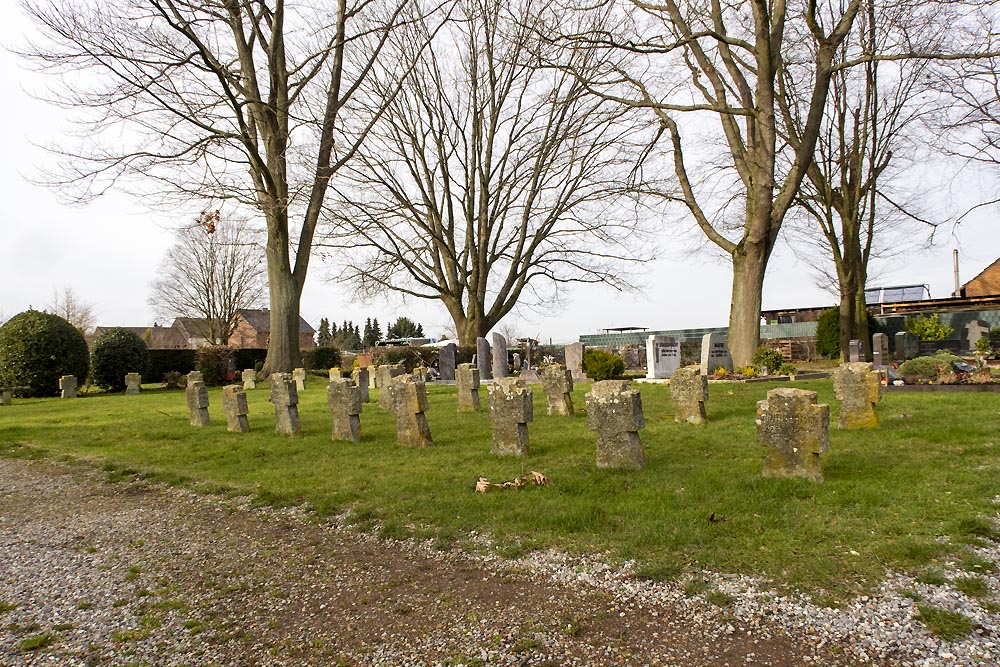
x=130, y=573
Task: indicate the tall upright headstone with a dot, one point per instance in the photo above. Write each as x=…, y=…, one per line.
x=715, y=354
x=972, y=332
x=794, y=430
x=5, y=395
x=234, y=404
x=467, y=383
x=484, y=359
x=285, y=398
x=689, y=391
x=574, y=361
x=855, y=352
x=614, y=411
x=511, y=409
x=858, y=388
x=447, y=357
x=361, y=379
x=133, y=384
x=197, y=402
x=343, y=398
x=299, y=375
x=907, y=346
x=409, y=403
x=558, y=385
x=499, y=356
x=880, y=350
x=663, y=356
x=249, y=379
x=67, y=386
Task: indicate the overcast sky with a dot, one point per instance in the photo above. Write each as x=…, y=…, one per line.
x=108, y=251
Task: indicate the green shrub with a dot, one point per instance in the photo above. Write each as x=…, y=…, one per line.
x=787, y=369
x=162, y=362
x=36, y=349
x=928, y=327
x=928, y=368
x=321, y=358
x=602, y=365
x=769, y=358
x=828, y=333
x=117, y=352
x=217, y=364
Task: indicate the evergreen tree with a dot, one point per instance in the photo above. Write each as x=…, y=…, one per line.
x=366, y=339
x=323, y=336
x=376, y=331
x=333, y=330
x=404, y=327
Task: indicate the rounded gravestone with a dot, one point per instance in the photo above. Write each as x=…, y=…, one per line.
x=36, y=349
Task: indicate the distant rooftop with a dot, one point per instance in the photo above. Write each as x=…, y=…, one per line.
x=620, y=329
x=899, y=294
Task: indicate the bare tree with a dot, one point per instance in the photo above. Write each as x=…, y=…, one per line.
x=69, y=306
x=215, y=268
x=248, y=101
x=490, y=181
x=709, y=73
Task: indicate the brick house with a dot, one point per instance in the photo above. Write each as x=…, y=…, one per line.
x=987, y=283
x=254, y=328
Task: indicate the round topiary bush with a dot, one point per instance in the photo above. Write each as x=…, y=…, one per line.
x=117, y=352
x=36, y=349
x=602, y=365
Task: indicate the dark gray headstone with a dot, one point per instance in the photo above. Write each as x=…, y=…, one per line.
x=484, y=359
x=907, y=346
x=880, y=350
x=855, y=352
x=446, y=362
x=499, y=356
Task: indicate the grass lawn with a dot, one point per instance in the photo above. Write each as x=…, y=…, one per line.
x=903, y=496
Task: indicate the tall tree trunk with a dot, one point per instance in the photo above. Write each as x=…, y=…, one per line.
x=749, y=265
x=283, y=352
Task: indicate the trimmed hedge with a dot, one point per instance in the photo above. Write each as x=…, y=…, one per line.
x=36, y=349
x=162, y=362
x=117, y=352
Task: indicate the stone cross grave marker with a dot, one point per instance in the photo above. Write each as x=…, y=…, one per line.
x=858, y=388
x=409, y=403
x=5, y=395
x=663, y=356
x=574, y=361
x=299, y=375
x=343, y=398
x=197, y=402
x=67, y=386
x=880, y=350
x=907, y=346
x=249, y=379
x=511, y=409
x=384, y=376
x=715, y=354
x=855, y=351
x=558, y=385
x=234, y=404
x=361, y=379
x=614, y=411
x=517, y=361
x=972, y=332
x=794, y=430
x=467, y=383
x=447, y=357
x=484, y=359
x=499, y=356
x=195, y=376
x=133, y=384
x=689, y=391
x=285, y=398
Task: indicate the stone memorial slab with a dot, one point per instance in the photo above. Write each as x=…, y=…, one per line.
x=343, y=398
x=484, y=359
x=467, y=383
x=574, y=361
x=249, y=379
x=972, y=332
x=335, y=373
x=195, y=376
x=880, y=350
x=234, y=404
x=855, y=351
x=384, y=376
x=715, y=354
x=500, y=369
x=409, y=403
x=447, y=358
x=907, y=346
x=133, y=384
x=67, y=386
x=517, y=361
x=558, y=385
x=285, y=397
x=614, y=411
x=663, y=356
x=858, y=388
x=197, y=402
x=5, y=396
x=299, y=376
x=689, y=391
x=362, y=380
x=510, y=410
x=794, y=430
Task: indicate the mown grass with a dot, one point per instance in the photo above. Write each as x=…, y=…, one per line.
x=902, y=496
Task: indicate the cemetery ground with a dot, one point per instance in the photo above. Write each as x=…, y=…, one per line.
x=907, y=508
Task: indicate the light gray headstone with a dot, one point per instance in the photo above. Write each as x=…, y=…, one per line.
x=558, y=385
x=855, y=352
x=574, y=361
x=467, y=383
x=409, y=403
x=67, y=386
x=195, y=376
x=361, y=379
x=133, y=384
x=384, y=375
x=299, y=375
x=249, y=379
x=197, y=402
x=689, y=391
x=517, y=361
x=499, y=350
x=614, y=411
x=343, y=398
x=715, y=354
x=234, y=404
x=972, y=332
x=447, y=358
x=484, y=359
x=794, y=430
x=285, y=398
x=880, y=350
x=663, y=356
x=511, y=409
